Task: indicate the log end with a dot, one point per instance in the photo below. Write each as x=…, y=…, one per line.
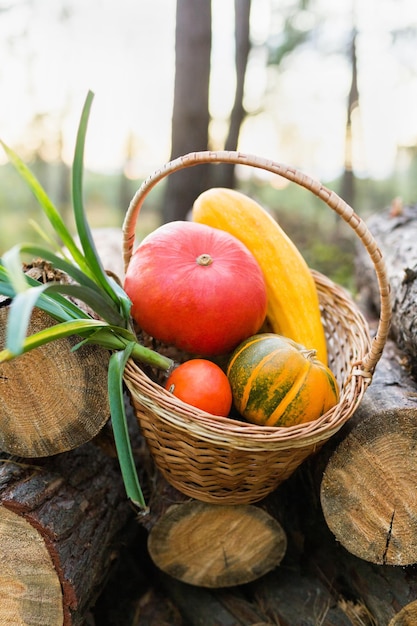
x=54, y=398
x=27, y=574
x=213, y=545
x=368, y=489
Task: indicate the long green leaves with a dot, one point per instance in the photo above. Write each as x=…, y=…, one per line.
x=65, y=329
x=83, y=229
x=19, y=315
x=48, y=207
x=120, y=429
x=89, y=284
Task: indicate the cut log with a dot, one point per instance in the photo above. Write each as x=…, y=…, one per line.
x=318, y=580
x=211, y=545
x=368, y=490
x=396, y=233
x=27, y=574
x=372, y=594
x=367, y=593
x=52, y=399
x=216, y=545
x=62, y=521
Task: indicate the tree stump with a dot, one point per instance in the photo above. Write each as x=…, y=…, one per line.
x=368, y=491
x=52, y=399
x=62, y=521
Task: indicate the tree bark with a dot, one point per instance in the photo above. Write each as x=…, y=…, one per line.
x=219, y=607
x=374, y=593
x=62, y=522
x=395, y=231
x=299, y=598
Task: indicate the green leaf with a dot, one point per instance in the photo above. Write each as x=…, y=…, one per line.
x=19, y=316
x=88, y=291
x=59, y=307
x=13, y=266
x=53, y=245
x=117, y=365
x=125, y=303
x=91, y=297
x=7, y=290
x=83, y=229
x=52, y=333
x=6, y=287
x=61, y=264
x=46, y=204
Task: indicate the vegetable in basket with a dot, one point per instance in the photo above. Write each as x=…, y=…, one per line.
x=277, y=382
x=202, y=384
x=196, y=287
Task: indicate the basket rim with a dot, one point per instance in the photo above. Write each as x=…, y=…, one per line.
x=329, y=197
x=230, y=432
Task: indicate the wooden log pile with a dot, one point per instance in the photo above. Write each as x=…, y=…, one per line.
x=62, y=523
x=334, y=545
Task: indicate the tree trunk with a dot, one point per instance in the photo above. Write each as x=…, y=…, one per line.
x=62, y=522
x=347, y=191
x=224, y=174
x=190, y=118
x=380, y=511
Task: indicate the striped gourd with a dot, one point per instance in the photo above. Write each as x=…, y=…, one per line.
x=277, y=382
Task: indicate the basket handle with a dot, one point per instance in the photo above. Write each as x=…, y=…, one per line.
x=329, y=197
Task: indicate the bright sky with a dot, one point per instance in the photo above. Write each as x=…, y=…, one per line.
x=124, y=52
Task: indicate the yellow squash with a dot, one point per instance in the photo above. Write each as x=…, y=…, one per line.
x=293, y=304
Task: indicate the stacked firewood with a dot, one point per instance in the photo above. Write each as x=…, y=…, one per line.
x=334, y=545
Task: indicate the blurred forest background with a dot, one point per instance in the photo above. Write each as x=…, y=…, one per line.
x=328, y=87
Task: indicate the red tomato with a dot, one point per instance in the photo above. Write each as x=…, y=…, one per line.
x=202, y=384
x=196, y=287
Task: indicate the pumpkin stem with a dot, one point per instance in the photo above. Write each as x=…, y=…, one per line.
x=204, y=260
x=309, y=354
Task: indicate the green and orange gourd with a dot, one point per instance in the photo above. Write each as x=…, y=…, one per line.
x=277, y=382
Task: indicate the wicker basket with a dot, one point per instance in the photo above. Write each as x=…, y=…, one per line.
x=224, y=460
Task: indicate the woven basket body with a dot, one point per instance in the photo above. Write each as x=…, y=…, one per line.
x=224, y=460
